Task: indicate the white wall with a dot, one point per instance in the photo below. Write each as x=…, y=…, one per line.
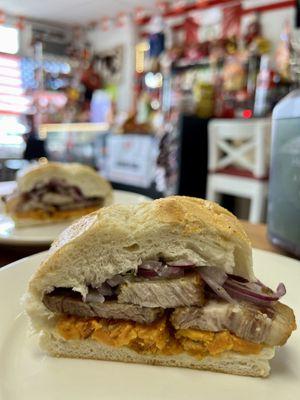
x=273, y=22
x=126, y=36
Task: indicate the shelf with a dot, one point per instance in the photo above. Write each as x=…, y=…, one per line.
x=204, y=63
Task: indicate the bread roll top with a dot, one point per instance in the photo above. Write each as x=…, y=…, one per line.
x=85, y=178
x=117, y=239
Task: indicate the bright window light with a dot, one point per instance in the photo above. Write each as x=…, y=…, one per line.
x=14, y=99
x=9, y=40
x=17, y=91
x=10, y=81
x=12, y=125
x=14, y=73
x=8, y=62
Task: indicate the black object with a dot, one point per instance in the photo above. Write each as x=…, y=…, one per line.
x=35, y=148
x=192, y=149
x=298, y=14
x=149, y=192
x=193, y=160
x=192, y=156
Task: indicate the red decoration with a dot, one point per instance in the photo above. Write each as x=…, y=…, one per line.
x=252, y=32
x=20, y=24
x=191, y=28
x=140, y=13
x=247, y=113
x=178, y=7
x=2, y=18
x=232, y=20
x=269, y=7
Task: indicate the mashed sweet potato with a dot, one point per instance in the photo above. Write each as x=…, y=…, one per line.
x=156, y=338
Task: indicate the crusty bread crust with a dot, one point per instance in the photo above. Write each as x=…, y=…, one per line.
x=91, y=183
x=256, y=365
x=115, y=239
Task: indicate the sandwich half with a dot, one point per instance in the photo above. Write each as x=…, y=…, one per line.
x=54, y=192
x=168, y=282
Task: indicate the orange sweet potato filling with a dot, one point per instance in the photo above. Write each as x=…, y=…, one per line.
x=214, y=343
x=58, y=215
x=156, y=338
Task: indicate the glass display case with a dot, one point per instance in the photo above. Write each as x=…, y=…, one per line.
x=129, y=161
x=73, y=142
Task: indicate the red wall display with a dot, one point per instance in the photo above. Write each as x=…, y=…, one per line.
x=231, y=20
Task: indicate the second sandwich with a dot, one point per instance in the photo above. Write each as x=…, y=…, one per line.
x=54, y=192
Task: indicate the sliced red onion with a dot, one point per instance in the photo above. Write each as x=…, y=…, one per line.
x=56, y=186
x=171, y=272
x=245, y=297
x=237, y=278
x=280, y=290
x=258, y=289
x=215, y=278
x=253, y=292
x=165, y=272
x=151, y=265
x=146, y=273
x=181, y=264
x=232, y=287
x=151, y=269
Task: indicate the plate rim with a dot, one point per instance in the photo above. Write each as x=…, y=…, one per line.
x=12, y=268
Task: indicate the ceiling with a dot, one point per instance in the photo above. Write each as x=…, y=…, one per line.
x=85, y=11
x=71, y=11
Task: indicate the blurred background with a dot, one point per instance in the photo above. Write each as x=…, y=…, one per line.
x=162, y=97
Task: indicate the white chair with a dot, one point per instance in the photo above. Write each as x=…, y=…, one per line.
x=239, y=161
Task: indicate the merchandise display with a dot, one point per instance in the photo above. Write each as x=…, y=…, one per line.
x=233, y=65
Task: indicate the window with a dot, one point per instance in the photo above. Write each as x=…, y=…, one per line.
x=9, y=40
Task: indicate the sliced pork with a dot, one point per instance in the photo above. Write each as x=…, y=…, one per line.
x=164, y=293
x=272, y=327
x=62, y=301
x=52, y=196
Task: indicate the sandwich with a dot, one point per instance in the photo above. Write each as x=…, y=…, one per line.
x=54, y=192
x=168, y=282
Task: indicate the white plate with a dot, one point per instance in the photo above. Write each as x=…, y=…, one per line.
x=27, y=374
x=45, y=234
